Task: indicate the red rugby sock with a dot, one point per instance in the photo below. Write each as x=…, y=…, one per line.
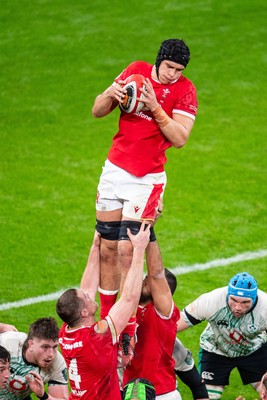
x=107, y=300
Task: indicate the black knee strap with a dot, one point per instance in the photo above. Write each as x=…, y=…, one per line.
x=108, y=230
x=134, y=227
x=193, y=380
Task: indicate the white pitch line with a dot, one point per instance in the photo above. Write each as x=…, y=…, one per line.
x=179, y=270
x=221, y=262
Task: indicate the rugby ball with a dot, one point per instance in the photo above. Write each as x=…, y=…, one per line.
x=130, y=103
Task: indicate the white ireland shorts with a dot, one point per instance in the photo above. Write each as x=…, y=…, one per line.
x=138, y=197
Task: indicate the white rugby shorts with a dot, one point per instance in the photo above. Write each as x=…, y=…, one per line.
x=138, y=197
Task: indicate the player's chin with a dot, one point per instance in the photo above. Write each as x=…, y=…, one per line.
x=45, y=363
x=166, y=81
x=238, y=315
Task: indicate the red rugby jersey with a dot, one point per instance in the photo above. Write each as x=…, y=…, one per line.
x=91, y=359
x=153, y=360
x=139, y=146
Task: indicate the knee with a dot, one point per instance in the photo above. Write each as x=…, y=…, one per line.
x=125, y=248
x=108, y=250
x=215, y=392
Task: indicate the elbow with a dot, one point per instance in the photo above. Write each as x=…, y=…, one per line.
x=131, y=298
x=158, y=273
x=95, y=113
x=179, y=144
x=181, y=139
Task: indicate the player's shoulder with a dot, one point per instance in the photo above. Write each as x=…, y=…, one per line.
x=185, y=83
x=101, y=326
x=58, y=362
x=217, y=293
x=262, y=299
x=212, y=301
x=262, y=294
x=12, y=341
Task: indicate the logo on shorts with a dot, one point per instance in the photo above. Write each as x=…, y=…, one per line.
x=136, y=209
x=207, y=375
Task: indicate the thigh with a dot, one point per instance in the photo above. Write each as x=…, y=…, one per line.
x=108, y=205
x=252, y=367
x=215, y=369
x=142, y=196
x=108, y=216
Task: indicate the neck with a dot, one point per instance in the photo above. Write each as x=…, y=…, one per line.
x=27, y=357
x=89, y=321
x=154, y=74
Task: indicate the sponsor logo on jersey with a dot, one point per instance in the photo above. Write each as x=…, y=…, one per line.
x=236, y=336
x=142, y=115
x=17, y=384
x=222, y=322
x=68, y=346
x=136, y=209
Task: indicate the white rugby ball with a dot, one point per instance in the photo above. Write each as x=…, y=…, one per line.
x=130, y=103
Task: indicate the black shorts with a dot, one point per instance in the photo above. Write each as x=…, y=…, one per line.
x=216, y=369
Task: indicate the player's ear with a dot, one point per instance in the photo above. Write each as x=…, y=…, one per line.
x=30, y=344
x=84, y=312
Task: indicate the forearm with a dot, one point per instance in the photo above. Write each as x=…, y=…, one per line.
x=50, y=397
x=182, y=325
x=104, y=103
x=59, y=392
x=130, y=295
x=7, y=327
x=154, y=260
x=91, y=275
x=176, y=132
x=133, y=282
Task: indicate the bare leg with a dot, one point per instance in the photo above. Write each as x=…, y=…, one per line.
x=125, y=254
x=109, y=267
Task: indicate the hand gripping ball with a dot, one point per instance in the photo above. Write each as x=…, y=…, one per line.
x=130, y=103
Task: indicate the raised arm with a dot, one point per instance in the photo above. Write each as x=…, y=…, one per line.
x=91, y=275
x=7, y=327
x=128, y=302
x=160, y=290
